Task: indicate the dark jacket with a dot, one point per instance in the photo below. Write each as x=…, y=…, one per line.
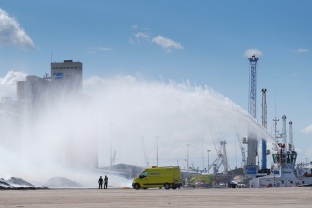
x=100, y=180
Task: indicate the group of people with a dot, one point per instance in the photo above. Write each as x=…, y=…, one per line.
x=101, y=180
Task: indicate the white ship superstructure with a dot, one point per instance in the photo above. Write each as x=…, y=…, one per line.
x=284, y=171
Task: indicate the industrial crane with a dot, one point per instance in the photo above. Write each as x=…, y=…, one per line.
x=222, y=157
x=240, y=142
x=252, y=143
x=264, y=124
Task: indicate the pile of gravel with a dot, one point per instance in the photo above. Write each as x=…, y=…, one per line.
x=17, y=183
x=3, y=183
x=61, y=182
x=56, y=182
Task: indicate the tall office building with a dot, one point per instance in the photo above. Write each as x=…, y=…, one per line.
x=33, y=90
x=67, y=76
x=65, y=80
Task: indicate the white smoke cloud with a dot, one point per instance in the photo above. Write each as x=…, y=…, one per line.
x=307, y=129
x=253, y=51
x=12, y=33
x=8, y=83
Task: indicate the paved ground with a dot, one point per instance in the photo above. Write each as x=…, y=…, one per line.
x=227, y=197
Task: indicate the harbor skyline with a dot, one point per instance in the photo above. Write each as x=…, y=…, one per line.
x=162, y=44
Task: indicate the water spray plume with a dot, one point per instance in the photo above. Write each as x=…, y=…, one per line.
x=72, y=137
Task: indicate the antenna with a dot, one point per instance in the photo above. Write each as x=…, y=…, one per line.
x=291, y=138
x=275, y=101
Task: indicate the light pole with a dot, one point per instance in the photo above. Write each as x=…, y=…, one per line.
x=208, y=161
x=187, y=159
x=157, y=150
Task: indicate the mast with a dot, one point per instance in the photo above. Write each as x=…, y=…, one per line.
x=284, y=136
x=264, y=124
x=291, y=139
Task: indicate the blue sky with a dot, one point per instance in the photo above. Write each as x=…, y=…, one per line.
x=204, y=42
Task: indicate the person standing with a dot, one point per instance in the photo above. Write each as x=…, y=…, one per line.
x=100, y=181
x=105, y=182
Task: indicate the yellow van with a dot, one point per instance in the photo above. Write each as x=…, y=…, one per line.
x=167, y=177
x=200, y=181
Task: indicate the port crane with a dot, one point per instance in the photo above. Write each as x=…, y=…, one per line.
x=221, y=159
x=243, y=153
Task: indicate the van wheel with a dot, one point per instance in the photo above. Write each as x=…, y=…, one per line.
x=167, y=186
x=136, y=186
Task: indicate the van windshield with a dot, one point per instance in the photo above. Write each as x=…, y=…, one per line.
x=143, y=174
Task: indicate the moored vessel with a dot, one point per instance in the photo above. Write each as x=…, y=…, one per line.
x=284, y=171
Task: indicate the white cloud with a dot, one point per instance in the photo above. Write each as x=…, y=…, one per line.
x=95, y=49
x=300, y=50
x=166, y=43
x=131, y=41
x=11, y=32
x=12, y=77
x=8, y=83
x=104, y=49
x=253, y=51
x=141, y=35
x=138, y=36
x=307, y=129
x=134, y=27
x=293, y=74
